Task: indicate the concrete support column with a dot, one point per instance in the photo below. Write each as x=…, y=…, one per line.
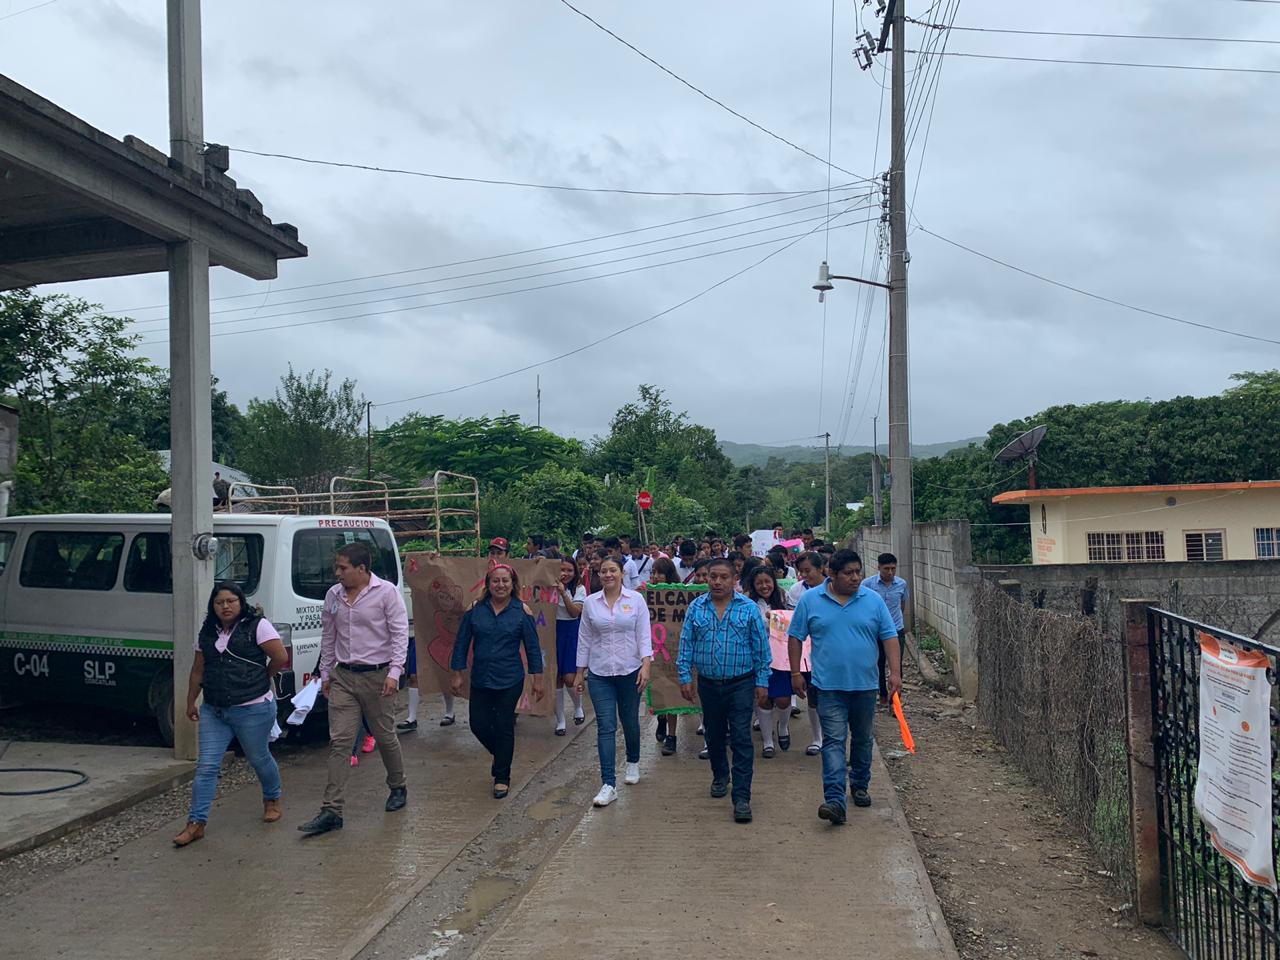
x=191, y=473
x=1143, y=801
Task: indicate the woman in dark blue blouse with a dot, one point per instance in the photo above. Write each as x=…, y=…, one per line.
x=492, y=634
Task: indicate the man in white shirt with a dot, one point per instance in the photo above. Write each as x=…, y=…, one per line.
x=636, y=571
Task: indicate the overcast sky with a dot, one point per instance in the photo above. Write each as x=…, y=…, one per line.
x=1156, y=187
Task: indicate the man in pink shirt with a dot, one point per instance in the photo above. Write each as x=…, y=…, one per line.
x=363, y=644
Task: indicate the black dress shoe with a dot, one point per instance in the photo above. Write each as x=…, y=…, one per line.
x=784, y=742
x=719, y=788
x=407, y=725
x=742, y=812
x=448, y=721
x=323, y=822
x=668, y=746
x=398, y=797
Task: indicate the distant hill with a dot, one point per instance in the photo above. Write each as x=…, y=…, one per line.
x=755, y=455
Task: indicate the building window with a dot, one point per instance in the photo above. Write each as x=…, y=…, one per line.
x=1125, y=547
x=1204, y=546
x=1266, y=542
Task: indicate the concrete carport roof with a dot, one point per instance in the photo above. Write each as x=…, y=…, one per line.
x=77, y=204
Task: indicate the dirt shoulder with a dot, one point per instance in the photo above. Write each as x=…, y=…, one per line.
x=1013, y=879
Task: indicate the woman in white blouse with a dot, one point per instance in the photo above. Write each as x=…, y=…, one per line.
x=615, y=649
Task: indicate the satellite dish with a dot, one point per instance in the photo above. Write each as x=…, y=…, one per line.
x=1024, y=448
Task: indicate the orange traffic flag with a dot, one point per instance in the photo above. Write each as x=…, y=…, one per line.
x=908, y=741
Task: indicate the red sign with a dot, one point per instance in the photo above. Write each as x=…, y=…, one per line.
x=644, y=499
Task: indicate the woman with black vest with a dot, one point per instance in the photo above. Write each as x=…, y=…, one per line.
x=238, y=651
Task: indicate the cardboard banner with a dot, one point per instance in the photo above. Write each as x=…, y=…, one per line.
x=444, y=588
x=667, y=605
x=779, y=622
x=1233, y=778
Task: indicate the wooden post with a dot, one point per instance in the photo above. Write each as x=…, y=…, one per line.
x=1143, y=802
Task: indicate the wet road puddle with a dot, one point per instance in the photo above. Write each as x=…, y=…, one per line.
x=482, y=898
x=555, y=804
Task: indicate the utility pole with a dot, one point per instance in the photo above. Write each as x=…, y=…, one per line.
x=539, y=399
x=190, y=423
x=826, y=442
x=900, y=505
x=368, y=439
x=876, y=504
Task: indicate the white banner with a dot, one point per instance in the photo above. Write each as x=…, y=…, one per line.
x=1233, y=782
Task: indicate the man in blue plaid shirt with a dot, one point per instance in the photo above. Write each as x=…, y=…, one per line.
x=725, y=639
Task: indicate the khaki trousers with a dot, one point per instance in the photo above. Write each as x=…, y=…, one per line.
x=350, y=695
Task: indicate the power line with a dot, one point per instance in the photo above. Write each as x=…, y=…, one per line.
x=497, y=256
x=609, y=336
x=517, y=183
x=507, y=293
x=28, y=9
x=534, y=276
x=1110, y=63
x=702, y=93
x=536, y=263
x=1099, y=297
x=1092, y=36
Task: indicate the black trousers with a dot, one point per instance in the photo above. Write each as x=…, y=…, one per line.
x=493, y=721
x=882, y=662
x=726, y=715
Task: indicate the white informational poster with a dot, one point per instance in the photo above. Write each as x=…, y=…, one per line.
x=1233, y=782
x=761, y=542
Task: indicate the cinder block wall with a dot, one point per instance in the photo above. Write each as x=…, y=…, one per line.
x=1238, y=595
x=942, y=582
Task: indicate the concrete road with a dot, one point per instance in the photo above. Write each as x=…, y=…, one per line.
x=665, y=872
x=259, y=890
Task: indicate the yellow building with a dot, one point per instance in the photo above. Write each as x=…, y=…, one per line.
x=1197, y=522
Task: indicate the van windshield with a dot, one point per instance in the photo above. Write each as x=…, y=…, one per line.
x=314, y=551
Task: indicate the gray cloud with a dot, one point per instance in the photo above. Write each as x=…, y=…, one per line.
x=1155, y=187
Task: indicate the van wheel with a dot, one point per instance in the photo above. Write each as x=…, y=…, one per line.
x=160, y=702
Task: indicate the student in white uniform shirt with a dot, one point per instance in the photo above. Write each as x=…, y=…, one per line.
x=636, y=571
x=810, y=567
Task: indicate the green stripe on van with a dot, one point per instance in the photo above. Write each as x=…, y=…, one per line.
x=72, y=643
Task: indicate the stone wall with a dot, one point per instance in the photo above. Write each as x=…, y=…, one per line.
x=942, y=582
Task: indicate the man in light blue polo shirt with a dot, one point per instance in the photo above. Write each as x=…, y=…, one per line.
x=893, y=589
x=846, y=623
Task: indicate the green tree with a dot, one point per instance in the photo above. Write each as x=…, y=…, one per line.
x=69, y=368
x=560, y=501
x=307, y=434
x=648, y=433
x=497, y=451
x=147, y=418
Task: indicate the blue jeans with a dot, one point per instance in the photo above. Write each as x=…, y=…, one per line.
x=726, y=712
x=251, y=725
x=614, y=698
x=846, y=713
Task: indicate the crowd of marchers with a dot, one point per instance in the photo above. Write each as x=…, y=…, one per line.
x=844, y=655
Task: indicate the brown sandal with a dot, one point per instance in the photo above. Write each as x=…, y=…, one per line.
x=271, y=810
x=192, y=833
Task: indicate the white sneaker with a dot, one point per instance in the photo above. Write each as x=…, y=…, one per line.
x=606, y=796
x=632, y=774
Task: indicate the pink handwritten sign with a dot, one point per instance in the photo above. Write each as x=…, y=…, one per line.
x=779, y=623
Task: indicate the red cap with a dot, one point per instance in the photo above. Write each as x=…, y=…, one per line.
x=500, y=543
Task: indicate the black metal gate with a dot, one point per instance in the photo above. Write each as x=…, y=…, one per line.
x=1210, y=911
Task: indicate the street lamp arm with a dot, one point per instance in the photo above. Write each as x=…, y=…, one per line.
x=870, y=283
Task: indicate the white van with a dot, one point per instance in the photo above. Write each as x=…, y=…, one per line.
x=85, y=600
